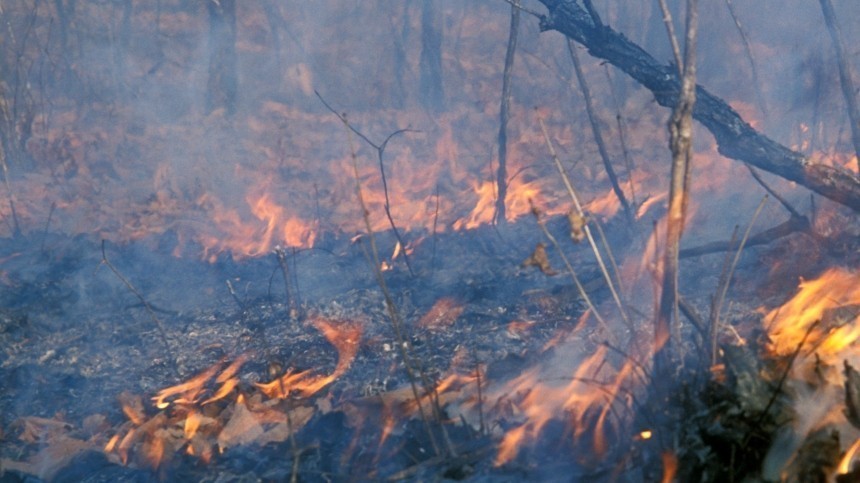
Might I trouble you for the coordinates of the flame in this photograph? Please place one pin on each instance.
(273, 227)
(541, 402)
(789, 324)
(670, 467)
(845, 464)
(344, 337)
(191, 391)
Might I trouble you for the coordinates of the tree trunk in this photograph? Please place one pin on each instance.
(432, 94)
(223, 84)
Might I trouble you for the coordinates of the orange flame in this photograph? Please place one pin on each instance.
(789, 323)
(344, 337)
(541, 402)
(191, 391)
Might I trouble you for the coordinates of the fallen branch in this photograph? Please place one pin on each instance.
(735, 138)
(793, 225)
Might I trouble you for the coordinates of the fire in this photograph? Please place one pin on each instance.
(821, 322)
(818, 300)
(273, 227)
(670, 467)
(194, 426)
(587, 400)
(845, 464)
(344, 337)
(191, 391)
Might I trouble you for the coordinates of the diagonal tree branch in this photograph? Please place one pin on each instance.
(735, 138)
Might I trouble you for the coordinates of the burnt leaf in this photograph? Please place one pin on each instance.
(539, 259)
(577, 226)
(852, 395)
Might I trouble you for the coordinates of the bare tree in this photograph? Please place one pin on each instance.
(223, 85)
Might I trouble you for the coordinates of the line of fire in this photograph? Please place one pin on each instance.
(429, 240)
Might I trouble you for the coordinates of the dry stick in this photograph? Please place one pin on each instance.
(712, 328)
(504, 115)
(281, 254)
(480, 395)
(403, 345)
(748, 50)
(715, 317)
(609, 255)
(844, 75)
(792, 225)
(516, 4)
(690, 312)
(621, 137)
(435, 225)
(595, 130)
(47, 225)
(782, 201)
(380, 152)
(673, 40)
(586, 229)
(571, 271)
(162, 333)
(681, 135)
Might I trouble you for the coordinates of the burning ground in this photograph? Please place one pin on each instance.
(280, 255)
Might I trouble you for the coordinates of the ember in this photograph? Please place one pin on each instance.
(429, 241)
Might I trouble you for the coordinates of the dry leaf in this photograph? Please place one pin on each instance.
(443, 314)
(539, 259)
(577, 226)
(132, 407)
(36, 430)
(280, 432)
(243, 428)
(46, 463)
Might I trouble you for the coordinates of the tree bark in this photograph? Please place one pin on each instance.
(735, 138)
(430, 64)
(223, 84)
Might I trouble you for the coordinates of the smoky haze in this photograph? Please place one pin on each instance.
(112, 122)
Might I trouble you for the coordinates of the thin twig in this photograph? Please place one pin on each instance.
(667, 327)
(571, 271)
(596, 131)
(673, 39)
(566, 179)
(292, 308)
(622, 138)
(844, 75)
(504, 115)
(782, 201)
(690, 313)
(403, 345)
(158, 325)
(748, 50)
(380, 153)
(715, 318)
(516, 4)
